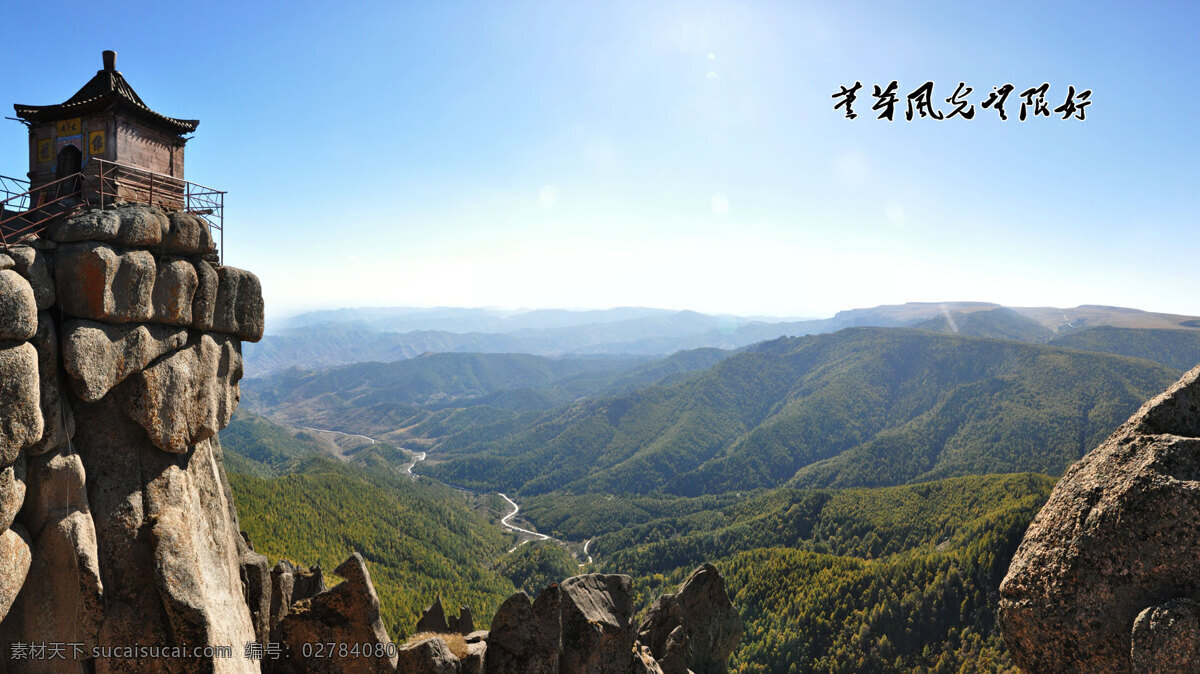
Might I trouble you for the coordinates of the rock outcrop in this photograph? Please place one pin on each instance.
(346, 615)
(120, 356)
(585, 624)
(695, 628)
(1106, 578)
(435, 620)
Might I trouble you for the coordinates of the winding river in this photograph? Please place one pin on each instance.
(505, 521)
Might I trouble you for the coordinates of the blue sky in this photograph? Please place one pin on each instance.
(678, 155)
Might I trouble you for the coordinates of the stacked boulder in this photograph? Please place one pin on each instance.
(1107, 578)
(120, 355)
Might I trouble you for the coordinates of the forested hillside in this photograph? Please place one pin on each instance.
(898, 578)
(860, 407)
(1175, 348)
(862, 490)
(420, 539)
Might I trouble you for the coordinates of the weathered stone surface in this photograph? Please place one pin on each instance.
(427, 655)
(239, 305)
(20, 401)
(673, 658)
(34, 265)
(127, 225)
(93, 225)
(204, 301)
(256, 584)
(6, 262)
(433, 619)
(696, 628)
(348, 614)
(188, 396)
(307, 583)
(12, 492)
(526, 638)
(644, 662)
(96, 281)
(57, 419)
(281, 596)
(475, 658)
(597, 632)
(1166, 638)
(174, 291)
(55, 488)
(187, 234)
(18, 307)
(14, 565)
(62, 600)
(98, 356)
(1117, 536)
(463, 623)
(167, 546)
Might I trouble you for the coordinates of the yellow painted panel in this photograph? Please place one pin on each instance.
(96, 143)
(45, 151)
(69, 127)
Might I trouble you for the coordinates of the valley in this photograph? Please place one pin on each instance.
(861, 489)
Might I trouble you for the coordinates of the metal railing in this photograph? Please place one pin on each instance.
(26, 213)
(120, 183)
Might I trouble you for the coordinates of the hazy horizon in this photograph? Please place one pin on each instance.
(666, 154)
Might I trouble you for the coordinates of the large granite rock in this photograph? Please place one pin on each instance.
(187, 234)
(525, 638)
(427, 655)
(98, 356)
(597, 628)
(1166, 638)
(62, 598)
(102, 283)
(433, 619)
(175, 285)
(167, 545)
(12, 492)
(204, 301)
(18, 307)
(464, 623)
(239, 306)
(187, 396)
(256, 584)
(348, 613)
(34, 265)
(696, 628)
(126, 225)
(57, 418)
(14, 565)
(1117, 536)
(55, 488)
(21, 422)
(127, 534)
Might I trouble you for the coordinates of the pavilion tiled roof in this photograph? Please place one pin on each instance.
(108, 88)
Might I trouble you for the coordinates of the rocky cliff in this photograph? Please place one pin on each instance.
(1107, 578)
(120, 355)
(120, 548)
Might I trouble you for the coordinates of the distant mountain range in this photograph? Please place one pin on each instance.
(328, 338)
(860, 407)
